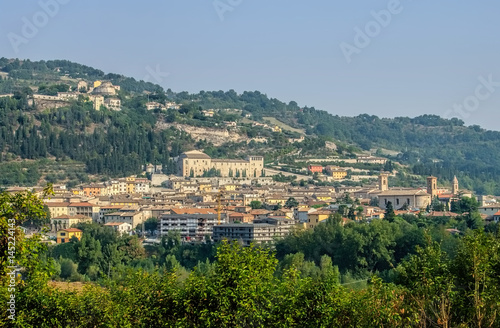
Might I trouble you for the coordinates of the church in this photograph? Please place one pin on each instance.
(413, 198)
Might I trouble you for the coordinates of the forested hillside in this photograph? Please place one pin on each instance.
(430, 144)
(103, 140)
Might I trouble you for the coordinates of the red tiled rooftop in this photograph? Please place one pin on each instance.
(193, 211)
(81, 204)
(57, 204)
(72, 230)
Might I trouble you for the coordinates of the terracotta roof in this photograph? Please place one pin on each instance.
(193, 211)
(321, 213)
(111, 207)
(81, 204)
(237, 215)
(78, 216)
(497, 213)
(412, 192)
(57, 204)
(71, 230)
(229, 161)
(436, 213)
(259, 212)
(446, 196)
(195, 154)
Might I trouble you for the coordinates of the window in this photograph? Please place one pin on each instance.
(397, 201)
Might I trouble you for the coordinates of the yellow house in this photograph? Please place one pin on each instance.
(277, 129)
(229, 187)
(339, 174)
(95, 190)
(97, 83)
(58, 208)
(206, 187)
(78, 192)
(66, 221)
(276, 199)
(314, 218)
(130, 187)
(65, 235)
(336, 172)
(323, 197)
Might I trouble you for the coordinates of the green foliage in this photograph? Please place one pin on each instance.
(284, 178)
(255, 204)
(52, 90)
(246, 287)
(291, 203)
(69, 270)
(16, 250)
(389, 212)
(432, 145)
(121, 142)
(151, 224)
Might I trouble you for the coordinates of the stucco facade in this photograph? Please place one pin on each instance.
(195, 164)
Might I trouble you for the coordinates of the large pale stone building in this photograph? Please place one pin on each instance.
(195, 164)
(413, 198)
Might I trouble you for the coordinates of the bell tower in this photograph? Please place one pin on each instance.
(454, 189)
(432, 186)
(383, 182)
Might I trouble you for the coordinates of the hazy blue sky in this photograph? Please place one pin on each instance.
(424, 57)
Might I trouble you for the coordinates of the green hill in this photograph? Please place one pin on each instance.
(118, 143)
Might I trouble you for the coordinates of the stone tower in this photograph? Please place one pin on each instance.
(454, 189)
(383, 182)
(432, 186)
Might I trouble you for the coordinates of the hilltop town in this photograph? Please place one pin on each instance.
(298, 164)
(238, 201)
(215, 165)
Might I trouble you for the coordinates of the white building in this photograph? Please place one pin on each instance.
(192, 223)
(120, 227)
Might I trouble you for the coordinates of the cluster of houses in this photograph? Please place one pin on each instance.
(249, 208)
(335, 172)
(151, 105)
(99, 93)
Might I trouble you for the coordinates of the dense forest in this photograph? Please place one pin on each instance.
(102, 140)
(108, 142)
(399, 272)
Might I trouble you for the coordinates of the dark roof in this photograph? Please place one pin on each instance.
(195, 154)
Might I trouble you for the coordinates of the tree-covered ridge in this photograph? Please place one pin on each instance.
(428, 144)
(431, 145)
(53, 70)
(108, 142)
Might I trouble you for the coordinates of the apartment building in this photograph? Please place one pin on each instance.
(85, 209)
(260, 232)
(192, 223)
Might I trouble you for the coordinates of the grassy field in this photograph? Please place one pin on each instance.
(67, 286)
(283, 126)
